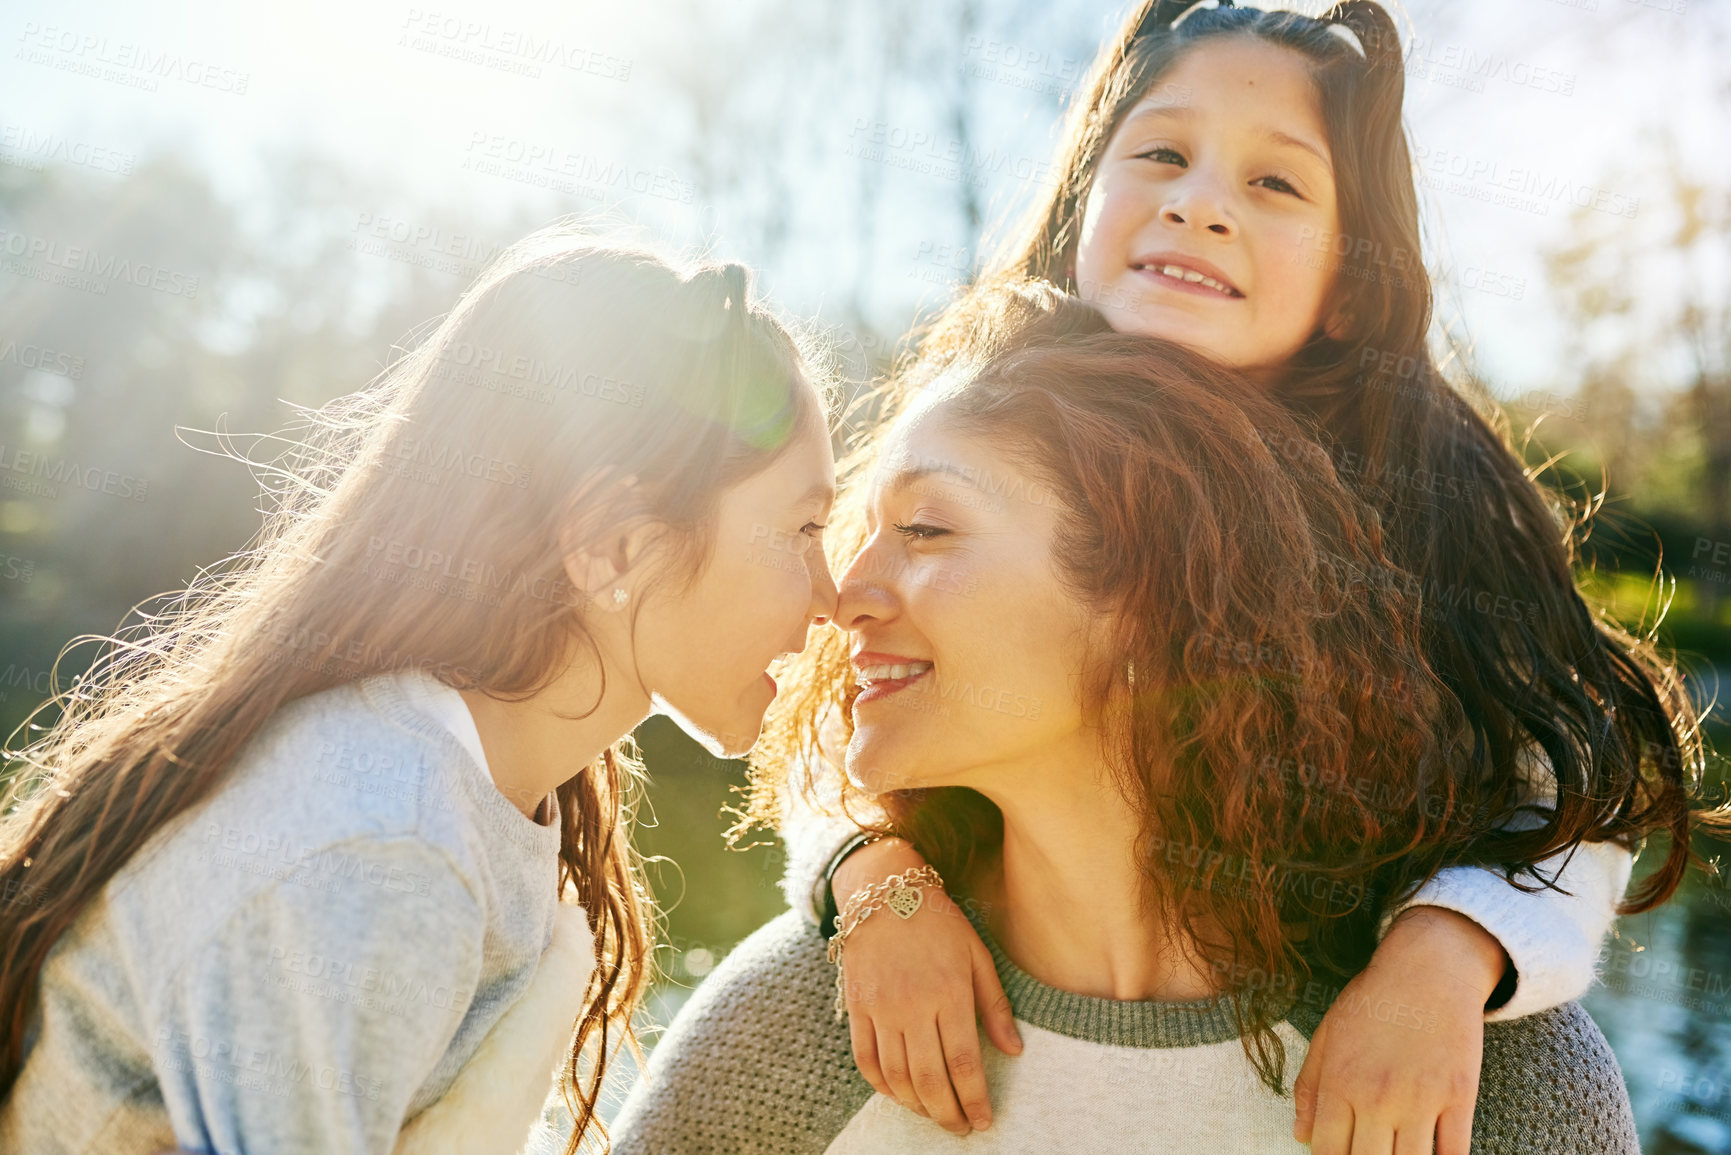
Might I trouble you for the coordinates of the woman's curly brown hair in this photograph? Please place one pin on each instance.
(1280, 735)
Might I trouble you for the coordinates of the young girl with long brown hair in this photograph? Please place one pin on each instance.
(295, 844)
(1238, 181)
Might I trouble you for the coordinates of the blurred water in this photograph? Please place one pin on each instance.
(1664, 1001)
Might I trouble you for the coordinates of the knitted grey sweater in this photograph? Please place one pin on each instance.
(755, 1062)
(305, 959)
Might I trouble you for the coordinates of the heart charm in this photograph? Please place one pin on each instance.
(905, 900)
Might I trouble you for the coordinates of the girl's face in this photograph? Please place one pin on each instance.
(704, 652)
(1221, 172)
(965, 644)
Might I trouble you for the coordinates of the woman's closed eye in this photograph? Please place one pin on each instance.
(918, 531)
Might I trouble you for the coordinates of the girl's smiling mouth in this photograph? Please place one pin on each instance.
(1187, 274)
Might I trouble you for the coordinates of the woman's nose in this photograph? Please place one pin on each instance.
(863, 595)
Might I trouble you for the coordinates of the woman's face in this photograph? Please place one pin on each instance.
(704, 652)
(1221, 172)
(966, 647)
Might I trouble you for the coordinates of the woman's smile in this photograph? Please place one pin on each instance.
(881, 675)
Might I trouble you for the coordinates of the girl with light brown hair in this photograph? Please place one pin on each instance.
(285, 856)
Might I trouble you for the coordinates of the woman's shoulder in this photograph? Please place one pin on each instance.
(755, 1060)
(1551, 1084)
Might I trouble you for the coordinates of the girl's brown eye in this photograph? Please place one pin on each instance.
(1163, 156)
(1273, 181)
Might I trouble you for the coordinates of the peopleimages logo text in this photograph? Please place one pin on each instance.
(108, 267)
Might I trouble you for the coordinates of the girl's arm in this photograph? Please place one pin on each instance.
(903, 979)
(913, 989)
(1401, 1047)
(1552, 938)
(1464, 935)
(311, 1019)
(810, 840)
(1439, 948)
(495, 1105)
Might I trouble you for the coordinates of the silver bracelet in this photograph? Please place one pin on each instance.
(901, 893)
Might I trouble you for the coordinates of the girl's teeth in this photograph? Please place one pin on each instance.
(1193, 277)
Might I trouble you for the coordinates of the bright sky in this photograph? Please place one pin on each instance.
(1528, 94)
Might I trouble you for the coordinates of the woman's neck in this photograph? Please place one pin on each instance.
(1068, 903)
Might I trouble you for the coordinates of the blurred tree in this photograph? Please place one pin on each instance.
(854, 129)
(1634, 342)
(165, 308)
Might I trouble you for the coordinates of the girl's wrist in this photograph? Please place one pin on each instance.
(873, 863)
(842, 876)
(1442, 939)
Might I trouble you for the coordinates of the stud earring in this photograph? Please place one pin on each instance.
(620, 597)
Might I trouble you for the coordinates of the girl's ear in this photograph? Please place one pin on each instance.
(594, 574)
(602, 565)
(609, 570)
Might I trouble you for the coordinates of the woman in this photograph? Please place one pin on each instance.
(1057, 543)
(291, 850)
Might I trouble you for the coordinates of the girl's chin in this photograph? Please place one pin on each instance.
(733, 738)
(1166, 321)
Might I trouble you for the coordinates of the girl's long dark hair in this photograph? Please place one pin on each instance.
(1503, 624)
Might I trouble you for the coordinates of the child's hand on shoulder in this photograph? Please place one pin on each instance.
(912, 988)
(1395, 1063)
